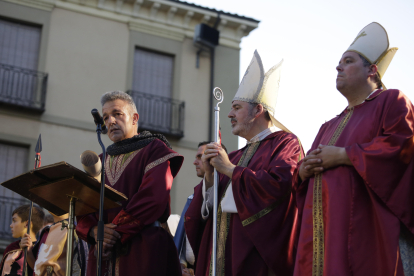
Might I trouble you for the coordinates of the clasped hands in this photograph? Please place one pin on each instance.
(110, 239)
(323, 158)
(216, 157)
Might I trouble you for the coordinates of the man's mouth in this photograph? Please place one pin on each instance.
(233, 122)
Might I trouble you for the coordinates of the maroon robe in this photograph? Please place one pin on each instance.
(264, 184)
(364, 205)
(146, 180)
(17, 267)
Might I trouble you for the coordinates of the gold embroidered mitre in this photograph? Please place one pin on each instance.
(372, 43)
(260, 88)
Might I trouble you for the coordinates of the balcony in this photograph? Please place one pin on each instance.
(159, 114)
(7, 205)
(23, 88)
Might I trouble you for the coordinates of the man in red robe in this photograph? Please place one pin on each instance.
(355, 188)
(141, 166)
(256, 209)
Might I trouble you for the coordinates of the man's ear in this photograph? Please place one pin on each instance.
(259, 110)
(373, 69)
(135, 118)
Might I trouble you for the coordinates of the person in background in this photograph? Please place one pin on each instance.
(185, 251)
(13, 256)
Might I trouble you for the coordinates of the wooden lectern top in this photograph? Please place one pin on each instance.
(52, 186)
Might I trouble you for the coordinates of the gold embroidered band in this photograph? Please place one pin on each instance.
(267, 210)
(223, 219)
(317, 208)
(115, 165)
(160, 161)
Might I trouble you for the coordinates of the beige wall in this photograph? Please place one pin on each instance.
(87, 55)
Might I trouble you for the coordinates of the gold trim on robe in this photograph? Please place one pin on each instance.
(115, 165)
(317, 208)
(223, 219)
(160, 161)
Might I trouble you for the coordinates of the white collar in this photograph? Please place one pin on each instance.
(263, 134)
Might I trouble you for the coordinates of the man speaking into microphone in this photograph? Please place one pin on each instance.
(142, 166)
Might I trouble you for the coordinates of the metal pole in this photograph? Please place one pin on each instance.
(218, 94)
(71, 228)
(38, 159)
(100, 235)
(24, 272)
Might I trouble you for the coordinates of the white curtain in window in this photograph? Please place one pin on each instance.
(153, 73)
(19, 44)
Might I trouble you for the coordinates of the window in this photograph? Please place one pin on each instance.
(19, 44)
(153, 73)
(20, 82)
(151, 90)
(13, 162)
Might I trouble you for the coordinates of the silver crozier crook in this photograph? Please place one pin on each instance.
(218, 94)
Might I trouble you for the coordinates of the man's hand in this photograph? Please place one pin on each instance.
(332, 156)
(187, 272)
(219, 159)
(110, 236)
(311, 165)
(26, 241)
(208, 169)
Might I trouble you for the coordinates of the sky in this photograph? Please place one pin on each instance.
(311, 36)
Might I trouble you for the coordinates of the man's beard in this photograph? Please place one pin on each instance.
(243, 128)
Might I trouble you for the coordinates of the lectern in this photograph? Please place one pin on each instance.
(61, 188)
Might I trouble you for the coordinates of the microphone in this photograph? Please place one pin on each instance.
(98, 120)
(91, 164)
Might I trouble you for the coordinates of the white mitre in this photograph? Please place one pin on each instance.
(372, 43)
(260, 88)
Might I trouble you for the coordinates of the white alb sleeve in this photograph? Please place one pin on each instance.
(228, 205)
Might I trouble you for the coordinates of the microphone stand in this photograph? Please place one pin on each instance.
(101, 226)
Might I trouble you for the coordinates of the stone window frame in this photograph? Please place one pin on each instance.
(30, 16)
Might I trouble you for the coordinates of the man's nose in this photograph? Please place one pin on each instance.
(195, 162)
(339, 68)
(111, 120)
(231, 114)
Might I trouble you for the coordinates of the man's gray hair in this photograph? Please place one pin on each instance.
(119, 95)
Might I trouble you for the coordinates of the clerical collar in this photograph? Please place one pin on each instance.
(263, 134)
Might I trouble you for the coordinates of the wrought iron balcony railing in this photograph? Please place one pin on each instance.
(22, 87)
(159, 114)
(7, 205)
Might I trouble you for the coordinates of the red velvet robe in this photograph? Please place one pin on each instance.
(146, 180)
(364, 204)
(265, 242)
